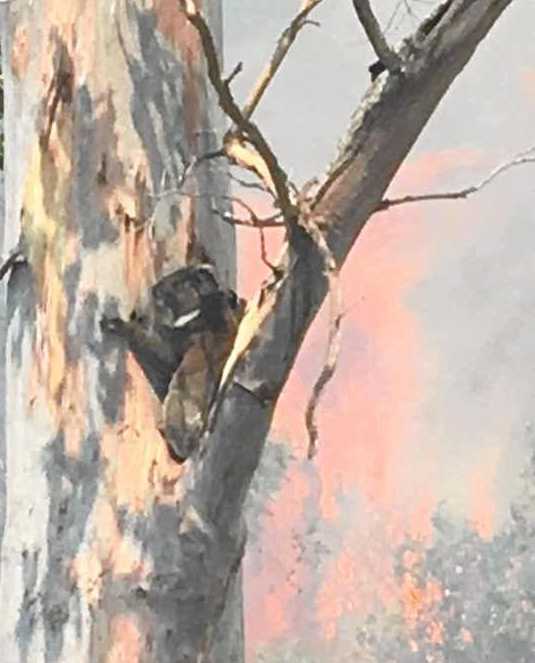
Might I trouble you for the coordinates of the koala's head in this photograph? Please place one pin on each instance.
(181, 290)
(190, 300)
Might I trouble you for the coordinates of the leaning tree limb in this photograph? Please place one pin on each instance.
(380, 136)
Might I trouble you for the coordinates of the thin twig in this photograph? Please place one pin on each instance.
(256, 221)
(274, 221)
(328, 370)
(261, 159)
(333, 347)
(527, 156)
(284, 44)
(253, 221)
(258, 186)
(263, 253)
(187, 168)
(305, 200)
(410, 12)
(393, 17)
(373, 31)
(237, 70)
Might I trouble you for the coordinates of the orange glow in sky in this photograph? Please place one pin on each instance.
(368, 425)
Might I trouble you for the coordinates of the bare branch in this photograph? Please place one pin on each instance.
(333, 346)
(237, 70)
(260, 160)
(250, 185)
(390, 24)
(252, 214)
(284, 44)
(188, 168)
(275, 269)
(253, 221)
(221, 86)
(386, 55)
(272, 330)
(527, 156)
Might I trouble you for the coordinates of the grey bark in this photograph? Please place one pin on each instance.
(2, 382)
(130, 109)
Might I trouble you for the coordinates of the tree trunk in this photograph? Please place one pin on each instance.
(106, 102)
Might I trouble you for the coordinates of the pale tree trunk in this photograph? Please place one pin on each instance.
(106, 100)
(112, 551)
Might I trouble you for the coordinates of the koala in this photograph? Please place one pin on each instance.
(181, 336)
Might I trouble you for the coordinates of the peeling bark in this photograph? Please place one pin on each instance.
(105, 103)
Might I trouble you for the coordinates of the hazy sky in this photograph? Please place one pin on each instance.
(435, 396)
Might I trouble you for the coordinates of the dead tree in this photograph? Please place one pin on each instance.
(114, 548)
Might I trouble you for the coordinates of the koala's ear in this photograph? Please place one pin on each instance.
(204, 279)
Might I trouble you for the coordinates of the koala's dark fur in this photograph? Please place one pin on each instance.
(181, 337)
